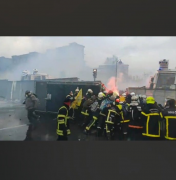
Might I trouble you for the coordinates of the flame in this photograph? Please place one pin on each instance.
(111, 86)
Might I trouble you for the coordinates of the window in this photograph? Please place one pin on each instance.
(165, 80)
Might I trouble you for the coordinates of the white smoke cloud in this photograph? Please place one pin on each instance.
(141, 53)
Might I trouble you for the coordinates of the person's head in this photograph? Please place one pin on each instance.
(150, 100)
(68, 100)
(27, 93)
(117, 101)
(124, 95)
(132, 94)
(110, 93)
(101, 96)
(89, 91)
(171, 103)
(134, 98)
(77, 90)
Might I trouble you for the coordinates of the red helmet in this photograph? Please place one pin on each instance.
(117, 100)
(110, 92)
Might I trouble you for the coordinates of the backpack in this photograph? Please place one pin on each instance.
(38, 101)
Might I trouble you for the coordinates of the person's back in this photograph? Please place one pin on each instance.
(169, 114)
(151, 118)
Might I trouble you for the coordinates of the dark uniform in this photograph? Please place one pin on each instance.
(95, 111)
(125, 121)
(151, 117)
(135, 127)
(105, 105)
(63, 128)
(113, 118)
(169, 115)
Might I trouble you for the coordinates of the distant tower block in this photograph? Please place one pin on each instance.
(164, 64)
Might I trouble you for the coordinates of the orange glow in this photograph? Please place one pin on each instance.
(111, 86)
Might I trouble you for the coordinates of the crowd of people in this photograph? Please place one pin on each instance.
(133, 117)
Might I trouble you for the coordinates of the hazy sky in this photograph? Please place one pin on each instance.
(141, 53)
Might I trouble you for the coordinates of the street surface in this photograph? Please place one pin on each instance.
(14, 125)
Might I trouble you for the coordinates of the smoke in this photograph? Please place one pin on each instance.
(49, 63)
(111, 85)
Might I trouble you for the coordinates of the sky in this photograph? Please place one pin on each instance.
(142, 54)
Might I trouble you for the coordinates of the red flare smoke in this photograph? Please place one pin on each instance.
(111, 85)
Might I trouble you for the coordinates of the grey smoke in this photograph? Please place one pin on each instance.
(141, 53)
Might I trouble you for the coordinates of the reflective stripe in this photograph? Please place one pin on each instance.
(150, 135)
(167, 127)
(61, 121)
(60, 133)
(68, 132)
(110, 122)
(88, 127)
(102, 114)
(107, 130)
(95, 118)
(148, 118)
(85, 113)
(135, 127)
(124, 121)
(119, 106)
(61, 116)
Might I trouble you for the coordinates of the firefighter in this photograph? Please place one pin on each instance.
(95, 111)
(169, 115)
(135, 127)
(86, 110)
(151, 117)
(77, 110)
(76, 92)
(63, 128)
(113, 118)
(105, 105)
(31, 103)
(125, 121)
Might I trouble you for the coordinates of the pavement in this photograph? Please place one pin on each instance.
(14, 125)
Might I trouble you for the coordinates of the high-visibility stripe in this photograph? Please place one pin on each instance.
(88, 127)
(167, 127)
(147, 124)
(61, 116)
(107, 130)
(124, 121)
(68, 132)
(102, 114)
(135, 127)
(62, 121)
(95, 118)
(109, 122)
(150, 135)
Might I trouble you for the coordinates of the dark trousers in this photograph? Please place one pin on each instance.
(32, 116)
(62, 138)
(135, 134)
(33, 121)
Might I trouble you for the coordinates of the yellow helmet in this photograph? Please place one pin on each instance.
(150, 100)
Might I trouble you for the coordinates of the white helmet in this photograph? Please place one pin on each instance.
(132, 94)
(144, 96)
(134, 98)
(100, 95)
(77, 89)
(124, 94)
(90, 91)
(112, 98)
